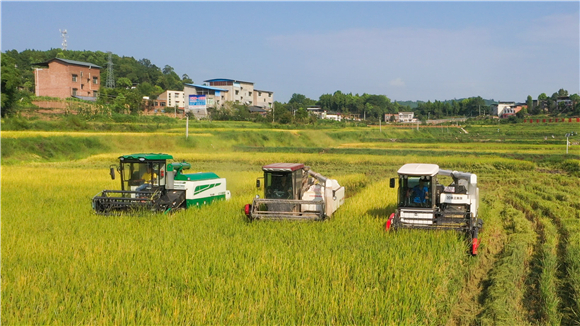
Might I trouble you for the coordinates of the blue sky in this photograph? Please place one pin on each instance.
(404, 50)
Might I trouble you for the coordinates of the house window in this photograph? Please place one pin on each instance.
(94, 93)
(259, 93)
(237, 92)
(95, 80)
(74, 92)
(74, 78)
(82, 86)
(162, 103)
(250, 93)
(269, 94)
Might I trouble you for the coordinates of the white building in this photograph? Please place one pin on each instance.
(214, 97)
(237, 91)
(497, 109)
(243, 92)
(173, 98)
(406, 117)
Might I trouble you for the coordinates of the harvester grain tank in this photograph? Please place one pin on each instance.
(149, 182)
(423, 203)
(294, 192)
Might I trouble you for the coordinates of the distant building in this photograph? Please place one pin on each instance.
(332, 116)
(242, 92)
(263, 99)
(237, 91)
(512, 111)
(567, 102)
(172, 99)
(498, 108)
(64, 78)
(258, 110)
(214, 96)
(406, 117)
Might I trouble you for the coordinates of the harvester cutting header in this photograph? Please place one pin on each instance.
(293, 191)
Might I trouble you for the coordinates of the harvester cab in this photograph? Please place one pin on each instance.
(424, 203)
(149, 182)
(293, 191)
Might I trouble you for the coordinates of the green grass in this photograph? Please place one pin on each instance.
(64, 265)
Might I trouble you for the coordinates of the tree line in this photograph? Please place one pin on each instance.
(135, 79)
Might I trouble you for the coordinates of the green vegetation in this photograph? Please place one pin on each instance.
(64, 265)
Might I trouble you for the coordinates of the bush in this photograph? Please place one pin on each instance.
(571, 166)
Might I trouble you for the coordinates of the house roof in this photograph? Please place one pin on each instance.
(259, 90)
(257, 109)
(225, 79)
(70, 62)
(207, 87)
(86, 98)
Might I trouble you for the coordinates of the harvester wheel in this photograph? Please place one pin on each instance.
(474, 242)
(389, 222)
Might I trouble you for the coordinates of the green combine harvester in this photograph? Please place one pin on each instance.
(149, 183)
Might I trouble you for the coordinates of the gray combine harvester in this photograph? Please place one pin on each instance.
(294, 192)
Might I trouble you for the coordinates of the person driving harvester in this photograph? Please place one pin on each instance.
(419, 193)
(147, 177)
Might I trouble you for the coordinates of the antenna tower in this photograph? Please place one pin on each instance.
(110, 77)
(64, 37)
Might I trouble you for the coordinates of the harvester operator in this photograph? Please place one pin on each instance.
(147, 177)
(420, 193)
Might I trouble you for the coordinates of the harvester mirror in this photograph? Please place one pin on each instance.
(112, 172)
(257, 183)
(392, 183)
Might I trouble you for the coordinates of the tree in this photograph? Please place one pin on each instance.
(10, 79)
(530, 103)
(167, 69)
(123, 82)
(186, 80)
(562, 92)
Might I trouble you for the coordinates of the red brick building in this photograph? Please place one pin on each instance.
(67, 78)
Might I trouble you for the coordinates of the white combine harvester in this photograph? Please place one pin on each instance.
(423, 203)
(293, 191)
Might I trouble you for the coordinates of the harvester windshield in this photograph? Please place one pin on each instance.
(142, 175)
(415, 191)
(278, 185)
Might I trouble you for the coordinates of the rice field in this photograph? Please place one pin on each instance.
(62, 264)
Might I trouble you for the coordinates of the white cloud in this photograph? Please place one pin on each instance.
(397, 82)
